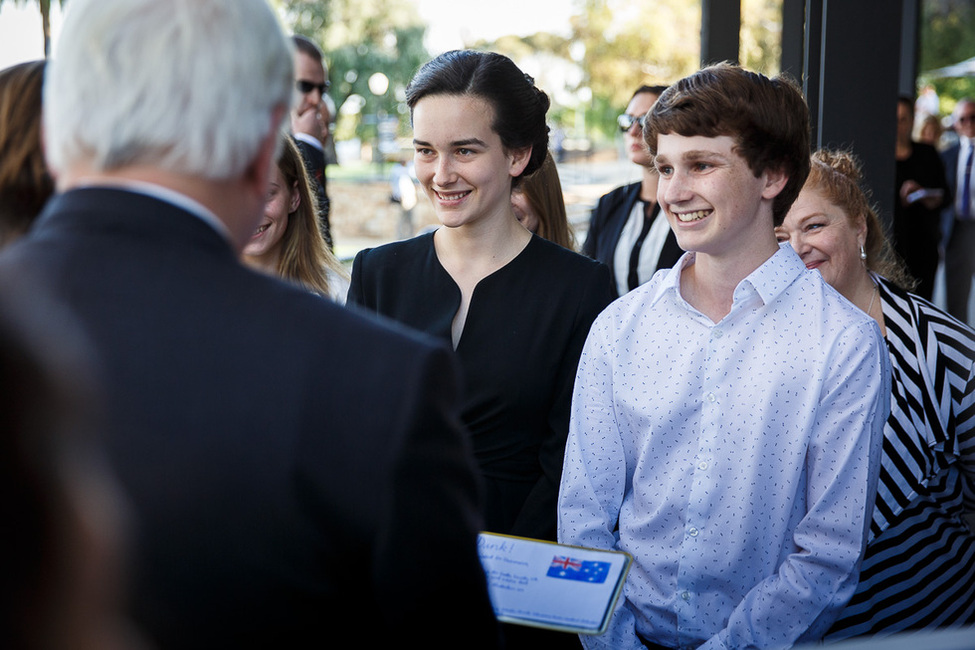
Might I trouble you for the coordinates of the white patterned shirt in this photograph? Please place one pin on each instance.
(737, 462)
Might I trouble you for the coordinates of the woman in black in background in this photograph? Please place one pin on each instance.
(917, 213)
(516, 308)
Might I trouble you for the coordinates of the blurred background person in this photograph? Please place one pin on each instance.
(927, 102)
(327, 122)
(288, 242)
(921, 193)
(539, 205)
(25, 184)
(402, 191)
(919, 567)
(310, 120)
(928, 130)
(960, 216)
(63, 548)
(624, 232)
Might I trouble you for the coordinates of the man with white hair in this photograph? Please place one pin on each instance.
(297, 473)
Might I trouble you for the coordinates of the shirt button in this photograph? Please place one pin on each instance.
(685, 596)
(718, 334)
(702, 465)
(711, 398)
(693, 532)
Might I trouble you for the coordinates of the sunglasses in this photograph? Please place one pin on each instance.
(306, 87)
(626, 122)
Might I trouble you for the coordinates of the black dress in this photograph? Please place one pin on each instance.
(525, 328)
(917, 228)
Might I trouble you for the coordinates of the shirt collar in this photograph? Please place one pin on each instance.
(776, 274)
(310, 139)
(671, 279)
(767, 281)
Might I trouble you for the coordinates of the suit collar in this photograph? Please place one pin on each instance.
(167, 195)
(122, 212)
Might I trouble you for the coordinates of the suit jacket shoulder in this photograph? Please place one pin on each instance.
(950, 159)
(404, 281)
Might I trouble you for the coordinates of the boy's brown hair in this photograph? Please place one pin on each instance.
(768, 119)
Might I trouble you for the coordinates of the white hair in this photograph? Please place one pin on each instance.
(187, 86)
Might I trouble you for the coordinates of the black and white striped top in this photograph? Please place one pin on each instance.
(919, 568)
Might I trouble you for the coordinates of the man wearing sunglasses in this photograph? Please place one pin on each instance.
(960, 251)
(309, 129)
(624, 232)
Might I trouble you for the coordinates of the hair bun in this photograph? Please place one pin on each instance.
(841, 162)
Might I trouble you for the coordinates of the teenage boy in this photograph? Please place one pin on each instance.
(727, 415)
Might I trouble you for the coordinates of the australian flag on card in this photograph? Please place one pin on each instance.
(569, 568)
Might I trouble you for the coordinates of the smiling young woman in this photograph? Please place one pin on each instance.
(288, 242)
(515, 307)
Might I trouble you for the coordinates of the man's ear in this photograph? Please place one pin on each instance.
(775, 181)
(518, 160)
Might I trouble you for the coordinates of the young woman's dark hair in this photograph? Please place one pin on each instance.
(519, 107)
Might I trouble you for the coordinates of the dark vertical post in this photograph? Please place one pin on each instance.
(852, 84)
(813, 64)
(720, 27)
(793, 38)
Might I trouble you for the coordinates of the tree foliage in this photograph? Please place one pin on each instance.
(761, 35)
(947, 37)
(619, 45)
(361, 38)
(628, 44)
(614, 46)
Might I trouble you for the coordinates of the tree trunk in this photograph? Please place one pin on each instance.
(45, 6)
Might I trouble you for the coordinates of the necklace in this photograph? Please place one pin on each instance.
(873, 295)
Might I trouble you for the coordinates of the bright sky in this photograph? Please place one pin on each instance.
(21, 38)
(450, 23)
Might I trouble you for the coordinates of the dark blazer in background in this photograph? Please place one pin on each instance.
(959, 244)
(606, 225)
(314, 159)
(297, 473)
(950, 159)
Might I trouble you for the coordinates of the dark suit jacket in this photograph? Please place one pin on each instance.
(297, 472)
(950, 159)
(606, 225)
(314, 159)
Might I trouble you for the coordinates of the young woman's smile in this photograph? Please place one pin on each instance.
(460, 161)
